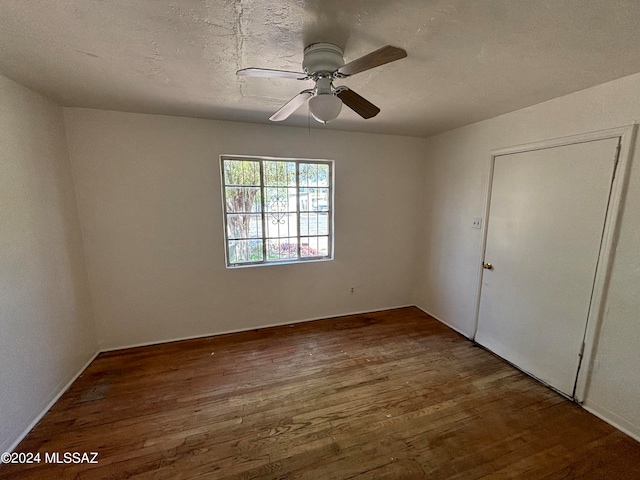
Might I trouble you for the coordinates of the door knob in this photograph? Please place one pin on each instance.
(488, 266)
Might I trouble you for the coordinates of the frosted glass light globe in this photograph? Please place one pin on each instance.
(325, 107)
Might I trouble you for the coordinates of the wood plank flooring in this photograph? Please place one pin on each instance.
(388, 395)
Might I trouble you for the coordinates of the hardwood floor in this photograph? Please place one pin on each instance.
(388, 395)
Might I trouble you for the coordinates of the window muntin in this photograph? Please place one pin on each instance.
(277, 210)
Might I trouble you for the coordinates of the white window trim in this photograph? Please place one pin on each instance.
(288, 261)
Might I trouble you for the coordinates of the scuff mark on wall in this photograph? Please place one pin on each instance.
(88, 53)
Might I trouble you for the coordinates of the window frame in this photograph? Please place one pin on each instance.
(264, 213)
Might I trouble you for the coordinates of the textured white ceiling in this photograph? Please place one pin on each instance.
(468, 59)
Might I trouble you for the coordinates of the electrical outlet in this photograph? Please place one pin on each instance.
(352, 291)
(477, 222)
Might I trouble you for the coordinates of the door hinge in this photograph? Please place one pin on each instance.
(581, 353)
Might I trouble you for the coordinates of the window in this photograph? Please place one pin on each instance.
(277, 210)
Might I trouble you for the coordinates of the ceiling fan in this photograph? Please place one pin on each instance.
(323, 63)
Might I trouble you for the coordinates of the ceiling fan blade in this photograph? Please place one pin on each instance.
(265, 72)
(291, 106)
(374, 59)
(358, 104)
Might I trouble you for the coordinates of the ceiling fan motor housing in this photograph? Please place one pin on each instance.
(322, 58)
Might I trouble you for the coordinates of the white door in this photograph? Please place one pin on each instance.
(546, 217)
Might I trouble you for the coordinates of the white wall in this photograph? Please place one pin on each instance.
(149, 202)
(148, 190)
(455, 185)
(46, 326)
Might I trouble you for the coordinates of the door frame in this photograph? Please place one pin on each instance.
(626, 137)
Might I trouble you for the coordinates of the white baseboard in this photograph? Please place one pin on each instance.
(62, 390)
(612, 419)
(621, 424)
(248, 329)
(48, 406)
(604, 414)
(452, 327)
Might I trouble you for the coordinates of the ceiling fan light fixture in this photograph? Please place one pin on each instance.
(323, 63)
(325, 107)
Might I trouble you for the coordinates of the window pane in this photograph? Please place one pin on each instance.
(314, 246)
(308, 247)
(281, 174)
(281, 225)
(304, 174)
(311, 171)
(292, 199)
(241, 172)
(271, 173)
(304, 224)
(321, 201)
(244, 251)
(243, 199)
(305, 199)
(323, 224)
(323, 175)
(314, 224)
(314, 199)
(244, 226)
(276, 210)
(323, 245)
(276, 199)
(282, 249)
(291, 174)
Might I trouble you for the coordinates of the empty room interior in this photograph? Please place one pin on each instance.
(319, 239)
